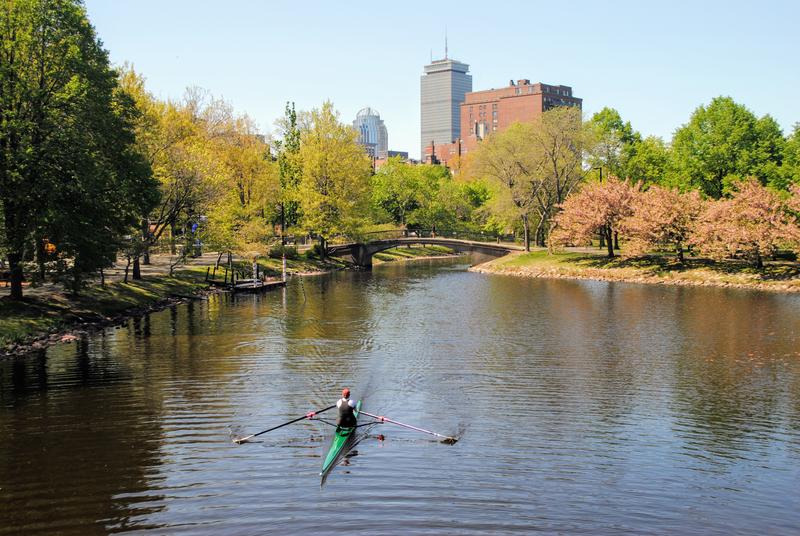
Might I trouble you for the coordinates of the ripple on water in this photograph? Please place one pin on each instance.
(581, 407)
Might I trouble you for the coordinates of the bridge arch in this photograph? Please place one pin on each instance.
(361, 253)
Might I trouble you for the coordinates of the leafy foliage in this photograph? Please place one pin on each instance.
(660, 217)
(723, 143)
(753, 222)
(597, 207)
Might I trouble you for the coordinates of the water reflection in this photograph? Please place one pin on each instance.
(584, 406)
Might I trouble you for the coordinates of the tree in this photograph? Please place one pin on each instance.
(247, 188)
(289, 168)
(559, 140)
(721, 144)
(597, 207)
(68, 169)
(791, 157)
(334, 187)
(647, 161)
(609, 142)
(753, 222)
(177, 139)
(396, 189)
(508, 159)
(661, 217)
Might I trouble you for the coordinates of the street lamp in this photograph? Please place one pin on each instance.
(601, 172)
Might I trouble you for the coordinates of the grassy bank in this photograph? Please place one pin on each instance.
(781, 276)
(41, 314)
(415, 252)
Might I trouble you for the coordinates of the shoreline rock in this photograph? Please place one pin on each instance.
(534, 273)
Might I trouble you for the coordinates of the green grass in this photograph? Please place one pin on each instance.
(36, 316)
(406, 253)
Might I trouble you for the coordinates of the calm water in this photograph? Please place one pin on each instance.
(582, 407)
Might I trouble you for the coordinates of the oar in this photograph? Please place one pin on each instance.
(445, 439)
(309, 415)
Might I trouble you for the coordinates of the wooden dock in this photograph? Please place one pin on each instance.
(256, 285)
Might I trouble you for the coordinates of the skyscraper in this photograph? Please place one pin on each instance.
(442, 90)
(372, 132)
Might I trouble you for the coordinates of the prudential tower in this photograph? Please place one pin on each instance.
(442, 90)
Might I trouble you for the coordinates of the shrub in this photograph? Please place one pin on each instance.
(279, 250)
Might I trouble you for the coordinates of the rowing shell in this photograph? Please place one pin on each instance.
(340, 440)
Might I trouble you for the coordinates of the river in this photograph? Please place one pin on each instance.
(582, 408)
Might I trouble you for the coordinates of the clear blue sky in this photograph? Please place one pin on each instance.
(654, 62)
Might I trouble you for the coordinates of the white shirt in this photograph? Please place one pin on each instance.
(345, 401)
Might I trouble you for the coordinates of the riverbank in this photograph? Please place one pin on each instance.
(776, 276)
(41, 320)
(49, 315)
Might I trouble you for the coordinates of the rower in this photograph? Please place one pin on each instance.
(346, 407)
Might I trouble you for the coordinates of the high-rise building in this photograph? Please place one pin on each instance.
(372, 132)
(442, 90)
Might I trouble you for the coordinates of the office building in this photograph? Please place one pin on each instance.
(442, 90)
(372, 133)
(494, 110)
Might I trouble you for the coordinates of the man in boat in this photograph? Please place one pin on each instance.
(345, 407)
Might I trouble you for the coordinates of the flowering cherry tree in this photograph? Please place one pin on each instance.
(753, 223)
(661, 217)
(598, 207)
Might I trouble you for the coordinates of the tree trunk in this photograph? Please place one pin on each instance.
(539, 233)
(526, 230)
(127, 267)
(609, 241)
(40, 258)
(146, 249)
(759, 260)
(137, 271)
(172, 249)
(102, 278)
(14, 260)
(602, 238)
(616, 240)
(679, 250)
(322, 249)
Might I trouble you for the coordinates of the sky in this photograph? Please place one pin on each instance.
(655, 62)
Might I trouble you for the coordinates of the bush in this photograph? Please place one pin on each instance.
(278, 251)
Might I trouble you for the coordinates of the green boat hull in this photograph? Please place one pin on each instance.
(340, 439)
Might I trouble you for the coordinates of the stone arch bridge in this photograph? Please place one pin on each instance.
(361, 253)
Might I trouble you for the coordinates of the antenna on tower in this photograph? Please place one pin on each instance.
(445, 42)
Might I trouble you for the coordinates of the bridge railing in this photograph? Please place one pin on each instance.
(456, 234)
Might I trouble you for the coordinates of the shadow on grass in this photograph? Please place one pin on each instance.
(772, 271)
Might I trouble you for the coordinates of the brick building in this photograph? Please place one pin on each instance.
(493, 110)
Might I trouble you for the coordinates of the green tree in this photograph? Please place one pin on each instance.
(67, 165)
(289, 167)
(610, 142)
(509, 160)
(721, 144)
(791, 157)
(396, 189)
(334, 188)
(647, 161)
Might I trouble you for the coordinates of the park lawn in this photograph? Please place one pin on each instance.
(38, 315)
(406, 253)
(660, 269)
